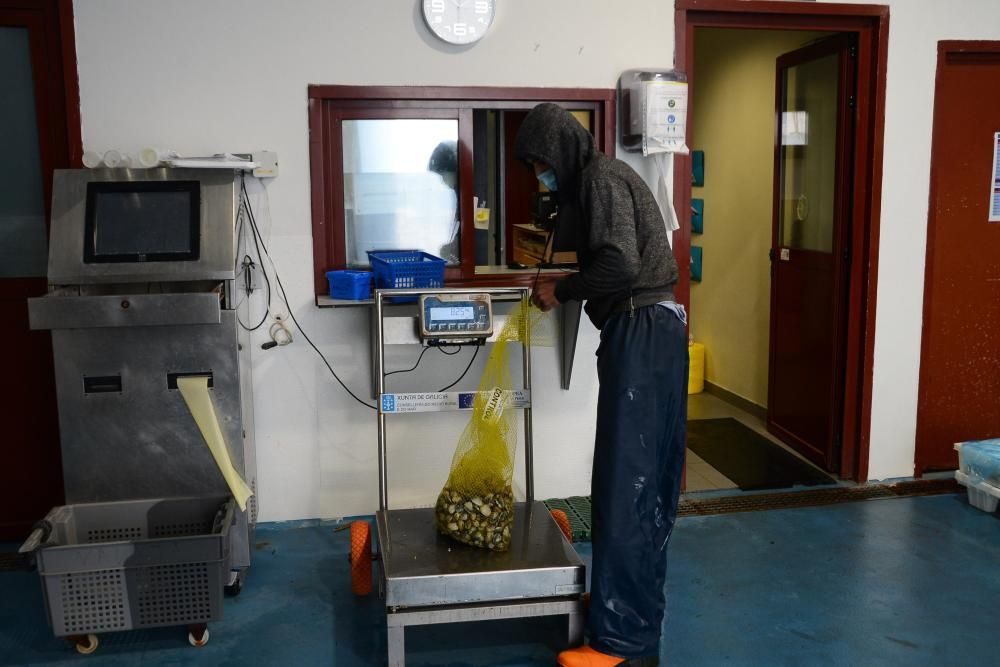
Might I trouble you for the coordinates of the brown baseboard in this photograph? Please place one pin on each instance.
(737, 401)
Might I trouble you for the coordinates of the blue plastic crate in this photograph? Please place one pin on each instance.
(353, 285)
(406, 269)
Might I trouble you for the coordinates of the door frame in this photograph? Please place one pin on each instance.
(871, 25)
(921, 457)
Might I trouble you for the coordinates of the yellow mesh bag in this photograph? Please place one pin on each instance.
(476, 505)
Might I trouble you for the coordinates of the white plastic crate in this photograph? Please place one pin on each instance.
(982, 495)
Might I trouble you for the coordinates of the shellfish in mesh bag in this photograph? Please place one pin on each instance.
(476, 505)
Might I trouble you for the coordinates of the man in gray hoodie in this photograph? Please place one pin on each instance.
(626, 276)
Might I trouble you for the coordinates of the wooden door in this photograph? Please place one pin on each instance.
(809, 267)
(37, 136)
(959, 395)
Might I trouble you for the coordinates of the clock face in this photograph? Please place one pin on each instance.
(459, 21)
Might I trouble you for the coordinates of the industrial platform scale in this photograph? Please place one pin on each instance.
(427, 578)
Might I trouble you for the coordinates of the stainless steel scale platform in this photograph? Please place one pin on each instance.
(427, 578)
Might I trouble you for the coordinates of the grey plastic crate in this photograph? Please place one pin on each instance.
(124, 565)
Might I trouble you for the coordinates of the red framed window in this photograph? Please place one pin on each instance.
(410, 167)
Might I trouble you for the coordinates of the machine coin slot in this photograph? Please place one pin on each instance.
(102, 384)
(172, 378)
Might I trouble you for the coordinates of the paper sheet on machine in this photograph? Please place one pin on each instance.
(195, 392)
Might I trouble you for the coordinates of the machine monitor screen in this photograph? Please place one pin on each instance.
(150, 221)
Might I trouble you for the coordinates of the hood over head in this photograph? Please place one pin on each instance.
(551, 134)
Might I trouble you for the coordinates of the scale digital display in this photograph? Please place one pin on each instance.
(454, 317)
(449, 313)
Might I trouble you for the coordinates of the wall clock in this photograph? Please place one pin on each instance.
(459, 21)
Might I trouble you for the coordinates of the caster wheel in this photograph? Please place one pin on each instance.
(197, 639)
(234, 589)
(85, 644)
(361, 558)
(563, 522)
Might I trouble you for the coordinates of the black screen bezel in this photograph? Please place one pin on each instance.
(193, 188)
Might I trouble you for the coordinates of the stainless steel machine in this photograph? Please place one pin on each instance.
(143, 291)
(427, 578)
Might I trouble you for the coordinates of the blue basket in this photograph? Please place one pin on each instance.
(406, 269)
(353, 285)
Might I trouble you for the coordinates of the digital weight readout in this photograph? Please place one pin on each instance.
(452, 313)
(462, 316)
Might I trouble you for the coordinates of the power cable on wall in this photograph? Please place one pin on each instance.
(260, 245)
(280, 335)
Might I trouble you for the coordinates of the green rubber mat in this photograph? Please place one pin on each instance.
(577, 509)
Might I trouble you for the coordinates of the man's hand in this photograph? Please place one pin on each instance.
(544, 296)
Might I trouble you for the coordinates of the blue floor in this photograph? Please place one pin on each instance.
(911, 581)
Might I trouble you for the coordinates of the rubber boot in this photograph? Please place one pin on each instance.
(588, 657)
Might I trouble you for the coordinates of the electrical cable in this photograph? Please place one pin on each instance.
(239, 232)
(411, 369)
(547, 253)
(474, 355)
(248, 263)
(458, 348)
(291, 315)
(257, 243)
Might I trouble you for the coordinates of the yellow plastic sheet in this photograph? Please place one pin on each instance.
(195, 392)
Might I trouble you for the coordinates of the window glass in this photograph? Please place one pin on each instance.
(23, 242)
(809, 154)
(401, 187)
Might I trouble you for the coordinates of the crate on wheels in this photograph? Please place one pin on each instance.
(109, 567)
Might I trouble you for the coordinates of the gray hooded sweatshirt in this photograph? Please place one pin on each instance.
(609, 214)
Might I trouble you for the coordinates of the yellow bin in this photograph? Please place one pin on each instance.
(696, 368)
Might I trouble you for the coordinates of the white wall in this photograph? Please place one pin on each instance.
(232, 74)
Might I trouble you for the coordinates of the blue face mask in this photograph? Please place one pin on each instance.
(548, 179)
